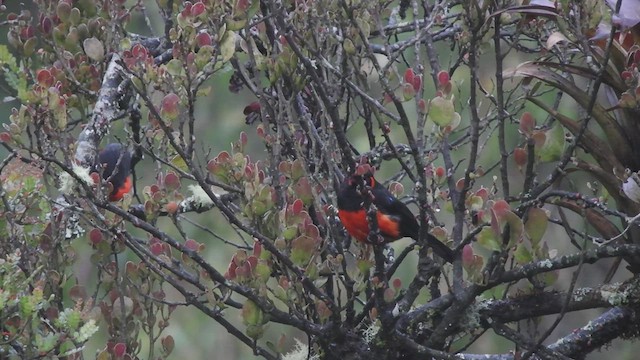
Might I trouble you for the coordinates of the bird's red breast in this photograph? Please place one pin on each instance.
(357, 225)
(118, 193)
(115, 161)
(394, 218)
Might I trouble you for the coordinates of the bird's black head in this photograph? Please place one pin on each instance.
(112, 155)
(350, 196)
(356, 180)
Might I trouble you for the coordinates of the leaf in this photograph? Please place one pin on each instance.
(553, 146)
(527, 124)
(252, 314)
(610, 78)
(18, 82)
(488, 239)
(596, 147)
(6, 58)
(520, 157)
(302, 248)
(599, 222)
(602, 225)
(94, 49)
(175, 68)
(179, 163)
(556, 38)
(516, 228)
(611, 128)
(441, 111)
(228, 46)
(536, 225)
(167, 344)
(522, 255)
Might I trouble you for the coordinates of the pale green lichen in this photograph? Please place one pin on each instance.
(68, 182)
(199, 197)
(546, 264)
(613, 295)
(300, 351)
(369, 334)
(471, 319)
(579, 294)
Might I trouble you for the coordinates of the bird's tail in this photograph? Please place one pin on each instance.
(440, 249)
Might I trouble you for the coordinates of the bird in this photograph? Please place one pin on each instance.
(394, 218)
(112, 156)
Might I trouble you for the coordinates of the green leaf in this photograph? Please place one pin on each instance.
(179, 163)
(252, 314)
(536, 225)
(18, 82)
(93, 48)
(441, 111)
(554, 144)
(46, 343)
(488, 239)
(175, 68)
(516, 228)
(582, 96)
(302, 249)
(6, 58)
(522, 254)
(228, 46)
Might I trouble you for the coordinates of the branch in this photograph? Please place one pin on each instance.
(105, 110)
(548, 303)
(597, 333)
(563, 262)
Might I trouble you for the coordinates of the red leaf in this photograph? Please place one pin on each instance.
(443, 78)
(409, 75)
(254, 107)
(467, 255)
(44, 78)
(257, 248)
(119, 349)
(95, 236)
(298, 206)
(197, 9)
(191, 245)
(231, 271)
(156, 249)
(417, 83)
(203, 39)
(501, 207)
(397, 283)
(527, 123)
(171, 181)
(520, 156)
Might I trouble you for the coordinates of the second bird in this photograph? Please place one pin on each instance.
(394, 218)
(111, 156)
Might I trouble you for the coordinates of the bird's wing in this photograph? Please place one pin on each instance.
(391, 206)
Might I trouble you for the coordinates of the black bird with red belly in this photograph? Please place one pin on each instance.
(394, 218)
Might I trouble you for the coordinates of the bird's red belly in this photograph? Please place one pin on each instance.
(120, 192)
(357, 225)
